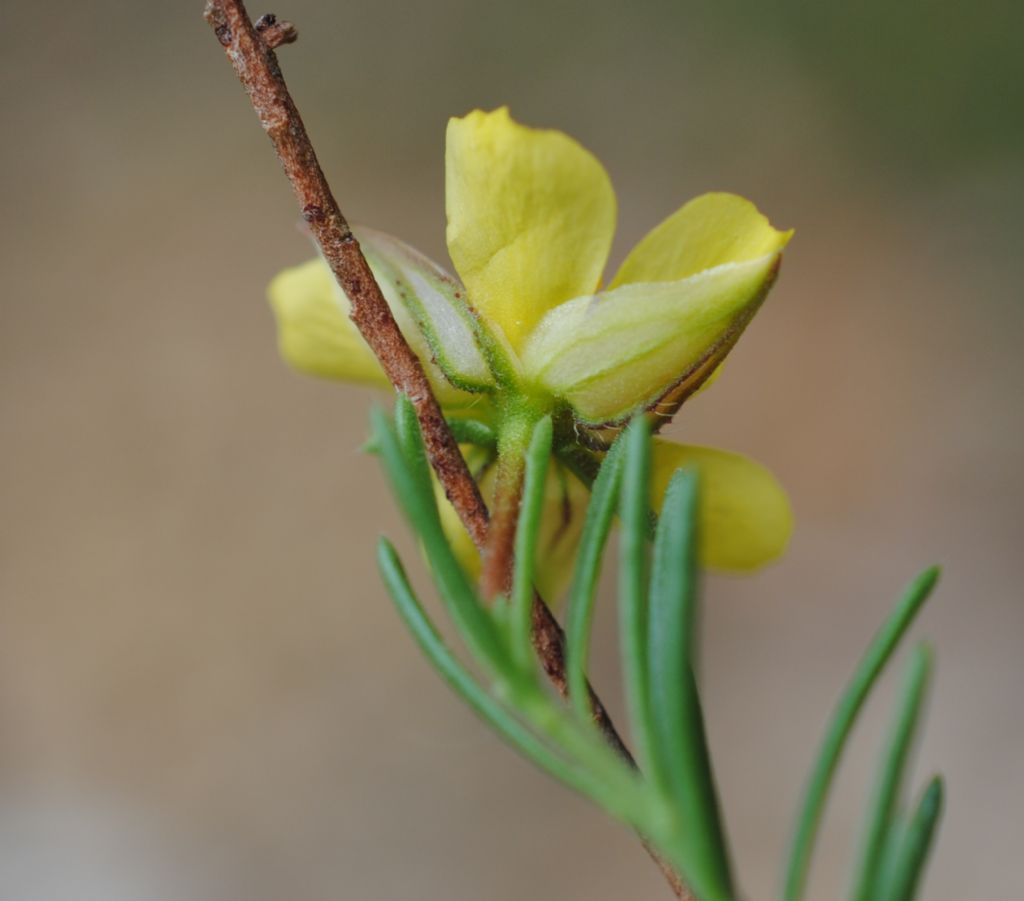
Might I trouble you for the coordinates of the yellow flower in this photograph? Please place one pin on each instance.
(531, 216)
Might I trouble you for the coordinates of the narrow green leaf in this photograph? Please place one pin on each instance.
(672, 616)
(680, 752)
(843, 718)
(890, 853)
(885, 800)
(912, 854)
(405, 463)
(407, 428)
(580, 614)
(634, 508)
(527, 532)
(464, 685)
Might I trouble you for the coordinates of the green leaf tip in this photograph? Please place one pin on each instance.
(879, 652)
(884, 804)
(912, 852)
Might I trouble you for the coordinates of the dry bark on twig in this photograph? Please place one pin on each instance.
(250, 47)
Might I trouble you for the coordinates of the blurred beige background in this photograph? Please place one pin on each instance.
(204, 693)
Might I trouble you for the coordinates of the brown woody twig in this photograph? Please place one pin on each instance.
(250, 48)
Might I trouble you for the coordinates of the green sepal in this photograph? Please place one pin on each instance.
(437, 304)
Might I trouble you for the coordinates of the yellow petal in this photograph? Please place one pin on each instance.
(565, 504)
(610, 354)
(745, 517)
(463, 546)
(708, 231)
(531, 216)
(315, 334)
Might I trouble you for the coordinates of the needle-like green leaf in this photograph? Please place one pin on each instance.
(890, 853)
(527, 530)
(463, 683)
(680, 752)
(912, 853)
(885, 800)
(579, 617)
(634, 508)
(843, 718)
(406, 466)
(410, 439)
